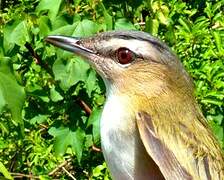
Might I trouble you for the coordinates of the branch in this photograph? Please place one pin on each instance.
(59, 167)
(84, 106)
(20, 175)
(33, 53)
(94, 148)
(68, 173)
(140, 24)
(38, 60)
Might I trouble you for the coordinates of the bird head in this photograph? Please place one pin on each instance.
(131, 62)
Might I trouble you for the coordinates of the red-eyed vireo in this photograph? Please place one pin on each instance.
(151, 126)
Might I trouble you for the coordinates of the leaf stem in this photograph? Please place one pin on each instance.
(38, 60)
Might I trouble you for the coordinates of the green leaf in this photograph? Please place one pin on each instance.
(44, 25)
(85, 28)
(94, 120)
(97, 171)
(20, 34)
(5, 128)
(51, 6)
(78, 142)
(39, 119)
(64, 137)
(162, 18)
(218, 130)
(5, 172)
(91, 82)
(45, 177)
(185, 24)
(8, 28)
(212, 101)
(15, 32)
(108, 18)
(123, 23)
(101, 172)
(38, 92)
(218, 41)
(152, 25)
(218, 118)
(2, 100)
(65, 30)
(2, 53)
(55, 95)
(12, 93)
(70, 72)
(3, 143)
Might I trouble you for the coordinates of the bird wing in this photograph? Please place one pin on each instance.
(175, 159)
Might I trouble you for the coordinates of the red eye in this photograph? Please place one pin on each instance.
(124, 56)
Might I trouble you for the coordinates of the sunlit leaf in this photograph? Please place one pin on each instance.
(94, 120)
(185, 23)
(218, 41)
(124, 24)
(85, 28)
(70, 72)
(55, 95)
(16, 32)
(91, 82)
(12, 93)
(64, 138)
(152, 25)
(5, 172)
(51, 6)
(39, 119)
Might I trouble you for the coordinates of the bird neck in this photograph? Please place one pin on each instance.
(167, 105)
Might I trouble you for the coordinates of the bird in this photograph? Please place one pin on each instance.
(151, 126)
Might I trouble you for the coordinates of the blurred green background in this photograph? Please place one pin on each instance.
(51, 101)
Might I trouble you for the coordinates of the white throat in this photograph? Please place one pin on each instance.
(118, 148)
(121, 144)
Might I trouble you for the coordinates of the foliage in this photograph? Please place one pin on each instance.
(50, 101)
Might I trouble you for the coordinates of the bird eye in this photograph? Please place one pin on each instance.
(125, 56)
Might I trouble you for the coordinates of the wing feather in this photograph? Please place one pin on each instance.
(187, 161)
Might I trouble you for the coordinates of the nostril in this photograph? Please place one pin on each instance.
(78, 42)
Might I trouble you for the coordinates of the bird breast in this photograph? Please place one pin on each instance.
(117, 142)
(123, 150)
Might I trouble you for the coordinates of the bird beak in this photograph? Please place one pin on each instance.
(82, 47)
(71, 44)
